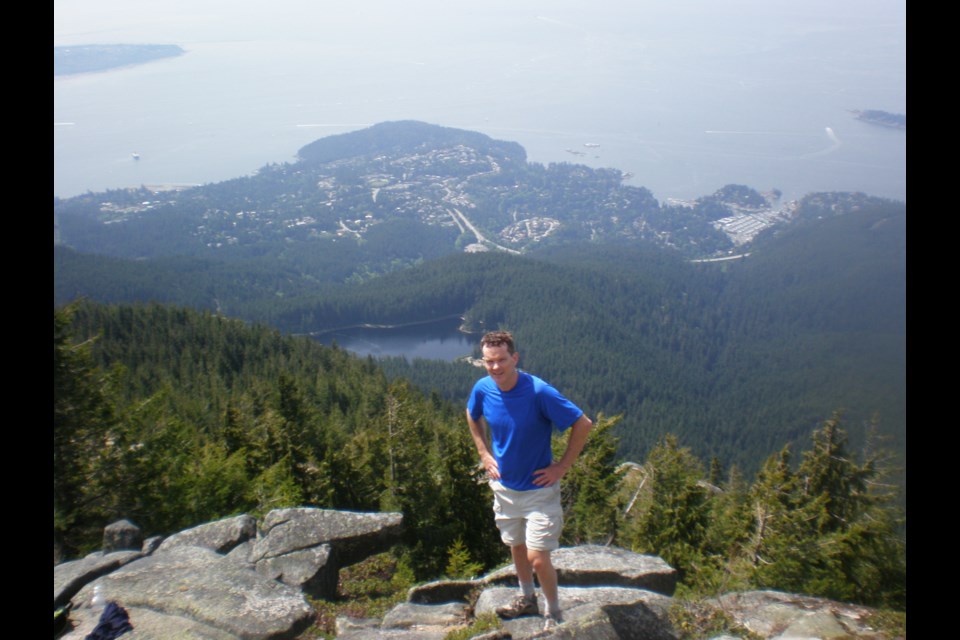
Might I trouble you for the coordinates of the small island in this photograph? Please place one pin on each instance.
(101, 57)
(882, 118)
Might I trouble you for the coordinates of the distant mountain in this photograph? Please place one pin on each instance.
(101, 57)
(883, 118)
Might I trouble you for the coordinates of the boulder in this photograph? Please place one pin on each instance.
(773, 614)
(122, 535)
(319, 542)
(221, 535)
(443, 591)
(70, 577)
(590, 565)
(148, 625)
(198, 584)
(309, 569)
(408, 615)
(591, 612)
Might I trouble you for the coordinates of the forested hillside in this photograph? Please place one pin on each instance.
(171, 417)
(736, 358)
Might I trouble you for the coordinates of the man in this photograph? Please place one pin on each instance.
(521, 411)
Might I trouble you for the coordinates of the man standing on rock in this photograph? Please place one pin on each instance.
(521, 411)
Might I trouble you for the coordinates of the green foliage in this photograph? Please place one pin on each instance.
(693, 620)
(84, 424)
(589, 488)
(673, 513)
(368, 589)
(826, 529)
(483, 623)
(459, 565)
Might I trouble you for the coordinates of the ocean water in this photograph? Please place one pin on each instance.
(686, 97)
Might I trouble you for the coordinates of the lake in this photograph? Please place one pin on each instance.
(440, 340)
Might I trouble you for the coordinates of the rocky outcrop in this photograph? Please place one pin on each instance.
(198, 584)
(223, 580)
(226, 580)
(594, 565)
(606, 593)
(777, 615)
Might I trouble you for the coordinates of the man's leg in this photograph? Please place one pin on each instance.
(526, 602)
(547, 575)
(523, 564)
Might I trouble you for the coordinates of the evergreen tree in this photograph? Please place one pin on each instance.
(84, 417)
(673, 517)
(590, 487)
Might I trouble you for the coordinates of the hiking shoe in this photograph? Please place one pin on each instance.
(552, 621)
(521, 606)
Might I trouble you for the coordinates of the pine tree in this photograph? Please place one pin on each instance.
(84, 416)
(673, 516)
(590, 487)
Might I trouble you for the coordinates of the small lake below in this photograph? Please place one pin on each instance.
(440, 340)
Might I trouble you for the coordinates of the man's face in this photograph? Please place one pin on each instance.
(501, 365)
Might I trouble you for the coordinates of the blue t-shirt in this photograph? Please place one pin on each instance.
(521, 421)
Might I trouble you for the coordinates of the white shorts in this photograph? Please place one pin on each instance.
(534, 518)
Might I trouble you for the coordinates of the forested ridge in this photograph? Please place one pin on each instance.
(171, 417)
(735, 358)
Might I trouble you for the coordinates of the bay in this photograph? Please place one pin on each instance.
(686, 97)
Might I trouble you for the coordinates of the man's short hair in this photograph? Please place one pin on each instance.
(498, 338)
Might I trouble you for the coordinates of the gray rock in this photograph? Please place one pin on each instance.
(151, 544)
(240, 554)
(199, 584)
(320, 542)
(348, 624)
(773, 614)
(626, 621)
(148, 625)
(310, 569)
(590, 565)
(408, 615)
(122, 535)
(590, 612)
(822, 625)
(443, 591)
(354, 535)
(70, 577)
(221, 535)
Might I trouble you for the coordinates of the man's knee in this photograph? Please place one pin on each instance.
(539, 559)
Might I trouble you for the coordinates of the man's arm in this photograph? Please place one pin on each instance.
(486, 458)
(575, 443)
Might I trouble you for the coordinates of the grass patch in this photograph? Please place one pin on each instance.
(891, 623)
(368, 589)
(694, 620)
(481, 624)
